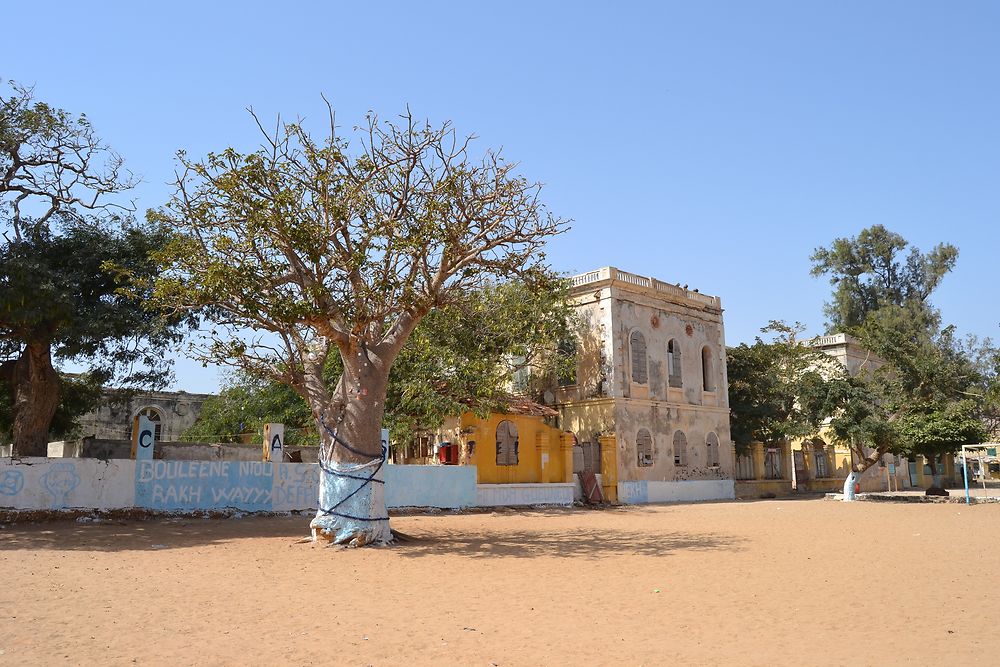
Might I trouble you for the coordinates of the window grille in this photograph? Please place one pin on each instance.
(712, 450)
(644, 448)
(772, 463)
(744, 467)
(637, 350)
(819, 457)
(674, 364)
(680, 449)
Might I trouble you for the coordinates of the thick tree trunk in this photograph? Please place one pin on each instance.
(35, 384)
(937, 485)
(352, 507)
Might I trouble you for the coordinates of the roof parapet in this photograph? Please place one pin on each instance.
(611, 275)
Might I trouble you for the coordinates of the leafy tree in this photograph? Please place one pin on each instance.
(245, 405)
(870, 272)
(76, 295)
(73, 274)
(766, 380)
(935, 430)
(309, 248)
(459, 358)
(919, 401)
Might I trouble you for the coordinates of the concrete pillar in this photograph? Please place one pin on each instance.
(609, 467)
(274, 443)
(143, 438)
(566, 442)
(757, 453)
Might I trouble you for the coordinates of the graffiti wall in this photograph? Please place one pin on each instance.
(41, 484)
(252, 486)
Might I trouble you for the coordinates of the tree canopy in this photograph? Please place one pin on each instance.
(75, 273)
(927, 395)
(873, 270)
(766, 381)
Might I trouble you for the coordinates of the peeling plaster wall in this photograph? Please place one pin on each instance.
(662, 421)
(613, 305)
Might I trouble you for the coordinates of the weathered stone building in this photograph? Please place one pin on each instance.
(650, 406)
(173, 412)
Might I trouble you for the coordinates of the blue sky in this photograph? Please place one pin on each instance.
(708, 143)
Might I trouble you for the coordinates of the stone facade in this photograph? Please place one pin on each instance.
(651, 381)
(174, 411)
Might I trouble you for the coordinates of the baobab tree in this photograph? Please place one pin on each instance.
(310, 247)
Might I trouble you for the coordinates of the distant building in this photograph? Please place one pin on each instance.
(173, 412)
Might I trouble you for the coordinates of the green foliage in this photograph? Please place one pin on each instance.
(83, 289)
(869, 272)
(74, 274)
(766, 380)
(459, 358)
(245, 405)
(932, 393)
(462, 357)
(937, 429)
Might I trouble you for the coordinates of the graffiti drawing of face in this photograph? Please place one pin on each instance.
(60, 480)
(11, 482)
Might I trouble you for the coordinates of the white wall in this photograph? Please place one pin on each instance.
(512, 495)
(53, 484)
(641, 492)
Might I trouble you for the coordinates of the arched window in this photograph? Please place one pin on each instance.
(637, 350)
(644, 448)
(819, 458)
(712, 450)
(680, 449)
(707, 373)
(506, 443)
(155, 416)
(674, 363)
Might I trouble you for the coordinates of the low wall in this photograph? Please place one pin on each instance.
(513, 495)
(643, 491)
(170, 451)
(253, 486)
(763, 488)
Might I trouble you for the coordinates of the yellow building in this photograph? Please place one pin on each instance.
(821, 465)
(764, 471)
(515, 447)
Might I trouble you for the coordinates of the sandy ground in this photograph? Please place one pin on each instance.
(753, 583)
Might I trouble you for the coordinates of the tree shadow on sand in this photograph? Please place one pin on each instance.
(430, 538)
(577, 544)
(146, 534)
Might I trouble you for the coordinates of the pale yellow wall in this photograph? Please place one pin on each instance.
(544, 455)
